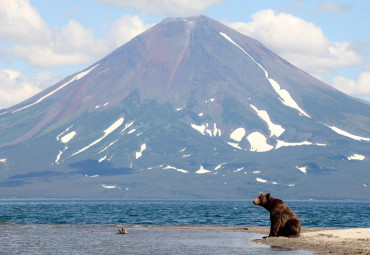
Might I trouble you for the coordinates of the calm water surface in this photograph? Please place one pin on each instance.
(80, 239)
(87, 226)
(179, 212)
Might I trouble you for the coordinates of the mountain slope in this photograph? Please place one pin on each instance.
(190, 108)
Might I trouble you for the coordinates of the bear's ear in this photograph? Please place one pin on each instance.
(268, 195)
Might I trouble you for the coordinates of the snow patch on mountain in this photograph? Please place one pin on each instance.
(68, 137)
(184, 155)
(356, 156)
(177, 169)
(64, 139)
(98, 106)
(109, 130)
(102, 159)
(261, 180)
(109, 145)
(285, 97)
(154, 167)
(180, 108)
(114, 126)
(198, 128)
(275, 129)
(75, 78)
(110, 186)
(127, 126)
(58, 156)
(207, 129)
(216, 131)
(219, 166)
(286, 144)
(258, 142)
(265, 181)
(347, 134)
(140, 153)
(202, 170)
(235, 145)
(237, 134)
(131, 131)
(239, 169)
(209, 100)
(65, 131)
(303, 169)
(92, 176)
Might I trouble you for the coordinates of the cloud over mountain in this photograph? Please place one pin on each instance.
(300, 42)
(16, 87)
(44, 46)
(361, 86)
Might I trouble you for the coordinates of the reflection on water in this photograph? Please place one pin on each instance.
(100, 239)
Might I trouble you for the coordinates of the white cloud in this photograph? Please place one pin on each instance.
(332, 7)
(166, 7)
(42, 46)
(71, 45)
(125, 28)
(35, 42)
(16, 87)
(361, 87)
(20, 21)
(298, 41)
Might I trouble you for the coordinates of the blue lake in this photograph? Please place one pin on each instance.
(88, 226)
(341, 214)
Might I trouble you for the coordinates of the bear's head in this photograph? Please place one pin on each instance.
(262, 199)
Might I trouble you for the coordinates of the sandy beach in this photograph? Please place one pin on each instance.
(323, 241)
(318, 240)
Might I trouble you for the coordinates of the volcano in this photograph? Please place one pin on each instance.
(188, 109)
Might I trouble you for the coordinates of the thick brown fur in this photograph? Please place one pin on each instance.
(284, 222)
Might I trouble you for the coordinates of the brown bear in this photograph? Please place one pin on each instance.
(284, 222)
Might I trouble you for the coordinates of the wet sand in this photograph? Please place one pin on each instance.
(318, 240)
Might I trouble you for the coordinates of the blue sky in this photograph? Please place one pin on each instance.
(42, 41)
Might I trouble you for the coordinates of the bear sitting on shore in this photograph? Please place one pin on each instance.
(284, 222)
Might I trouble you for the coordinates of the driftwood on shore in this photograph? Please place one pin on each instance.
(122, 230)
